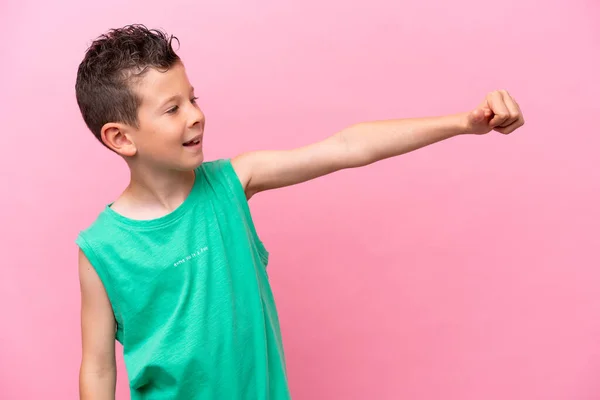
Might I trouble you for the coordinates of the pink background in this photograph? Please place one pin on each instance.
(468, 270)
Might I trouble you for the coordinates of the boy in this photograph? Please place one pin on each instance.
(174, 268)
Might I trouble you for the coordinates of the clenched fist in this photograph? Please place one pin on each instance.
(498, 112)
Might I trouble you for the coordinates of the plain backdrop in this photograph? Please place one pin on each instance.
(468, 270)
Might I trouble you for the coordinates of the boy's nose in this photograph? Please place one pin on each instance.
(197, 118)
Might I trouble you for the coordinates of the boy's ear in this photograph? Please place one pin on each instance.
(116, 136)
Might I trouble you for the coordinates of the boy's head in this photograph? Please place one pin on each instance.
(135, 97)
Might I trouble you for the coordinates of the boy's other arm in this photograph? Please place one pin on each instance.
(368, 142)
(97, 374)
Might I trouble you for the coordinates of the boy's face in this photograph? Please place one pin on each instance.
(170, 123)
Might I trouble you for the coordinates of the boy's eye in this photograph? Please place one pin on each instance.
(174, 109)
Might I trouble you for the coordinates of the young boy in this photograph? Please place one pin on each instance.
(174, 268)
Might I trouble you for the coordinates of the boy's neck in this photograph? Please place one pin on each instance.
(153, 195)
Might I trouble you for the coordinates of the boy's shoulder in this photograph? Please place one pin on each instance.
(221, 168)
(99, 227)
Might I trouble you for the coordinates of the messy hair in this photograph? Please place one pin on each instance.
(111, 65)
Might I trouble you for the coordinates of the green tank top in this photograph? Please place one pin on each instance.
(190, 294)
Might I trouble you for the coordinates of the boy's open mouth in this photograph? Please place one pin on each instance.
(193, 142)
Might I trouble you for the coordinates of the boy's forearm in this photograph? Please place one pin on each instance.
(97, 384)
(369, 142)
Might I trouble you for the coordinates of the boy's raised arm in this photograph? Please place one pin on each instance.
(368, 142)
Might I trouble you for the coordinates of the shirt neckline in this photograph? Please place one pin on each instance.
(160, 221)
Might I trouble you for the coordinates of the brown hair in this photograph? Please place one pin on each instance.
(110, 66)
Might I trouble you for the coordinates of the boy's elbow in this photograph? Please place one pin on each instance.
(354, 153)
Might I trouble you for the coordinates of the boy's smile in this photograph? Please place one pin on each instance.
(195, 143)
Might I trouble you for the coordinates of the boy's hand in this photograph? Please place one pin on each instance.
(498, 112)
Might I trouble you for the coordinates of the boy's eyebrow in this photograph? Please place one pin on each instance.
(174, 97)
(170, 99)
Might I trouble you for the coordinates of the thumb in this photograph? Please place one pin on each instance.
(477, 116)
(478, 120)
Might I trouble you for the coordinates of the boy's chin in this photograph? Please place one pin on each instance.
(197, 162)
